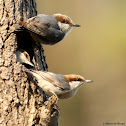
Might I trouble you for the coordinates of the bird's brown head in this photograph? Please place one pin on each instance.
(25, 54)
(65, 19)
(73, 77)
(23, 57)
(65, 23)
(76, 80)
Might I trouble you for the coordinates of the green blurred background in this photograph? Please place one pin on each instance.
(97, 51)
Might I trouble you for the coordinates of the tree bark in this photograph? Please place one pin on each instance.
(22, 102)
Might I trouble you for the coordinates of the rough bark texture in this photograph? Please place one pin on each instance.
(22, 102)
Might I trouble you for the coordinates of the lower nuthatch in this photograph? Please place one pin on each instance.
(48, 29)
(23, 57)
(62, 86)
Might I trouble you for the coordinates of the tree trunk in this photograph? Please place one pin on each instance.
(22, 102)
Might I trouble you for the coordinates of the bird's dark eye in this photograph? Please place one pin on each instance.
(63, 21)
(78, 79)
(26, 56)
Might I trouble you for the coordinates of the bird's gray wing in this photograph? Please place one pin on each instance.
(51, 77)
(46, 31)
(40, 29)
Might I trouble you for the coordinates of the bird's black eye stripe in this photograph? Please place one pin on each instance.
(63, 21)
(26, 55)
(78, 79)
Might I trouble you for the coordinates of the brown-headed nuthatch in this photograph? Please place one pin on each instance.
(62, 86)
(48, 29)
(23, 57)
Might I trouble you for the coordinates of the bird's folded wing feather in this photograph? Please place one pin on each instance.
(40, 29)
(44, 30)
(53, 80)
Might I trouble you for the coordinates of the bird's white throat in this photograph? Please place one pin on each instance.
(66, 28)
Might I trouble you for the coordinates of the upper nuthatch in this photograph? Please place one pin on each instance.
(23, 57)
(62, 86)
(48, 29)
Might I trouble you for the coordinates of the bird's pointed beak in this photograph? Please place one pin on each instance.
(89, 81)
(76, 25)
(29, 63)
